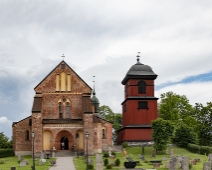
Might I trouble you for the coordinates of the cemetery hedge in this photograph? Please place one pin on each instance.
(6, 153)
(199, 149)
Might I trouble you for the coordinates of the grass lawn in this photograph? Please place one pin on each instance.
(13, 161)
(135, 151)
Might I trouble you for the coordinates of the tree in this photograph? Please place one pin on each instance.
(4, 141)
(115, 118)
(176, 107)
(184, 135)
(204, 118)
(162, 133)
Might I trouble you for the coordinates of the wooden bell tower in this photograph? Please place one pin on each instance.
(139, 107)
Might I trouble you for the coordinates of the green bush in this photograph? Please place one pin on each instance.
(90, 166)
(125, 145)
(205, 150)
(6, 153)
(106, 162)
(190, 166)
(109, 167)
(184, 135)
(106, 155)
(117, 162)
(113, 153)
(193, 148)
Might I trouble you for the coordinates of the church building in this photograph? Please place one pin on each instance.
(65, 107)
(139, 107)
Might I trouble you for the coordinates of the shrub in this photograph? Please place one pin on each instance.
(109, 167)
(117, 162)
(106, 162)
(205, 150)
(190, 165)
(114, 154)
(193, 148)
(105, 155)
(125, 145)
(90, 166)
(6, 153)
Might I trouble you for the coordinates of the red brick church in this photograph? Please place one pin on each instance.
(64, 109)
(139, 107)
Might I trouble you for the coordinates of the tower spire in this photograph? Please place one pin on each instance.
(94, 92)
(138, 57)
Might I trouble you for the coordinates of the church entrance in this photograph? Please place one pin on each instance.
(64, 143)
(64, 140)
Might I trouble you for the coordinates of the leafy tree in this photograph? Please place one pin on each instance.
(184, 135)
(176, 107)
(162, 133)
(4, 141)
(115, 118)
(204, 118)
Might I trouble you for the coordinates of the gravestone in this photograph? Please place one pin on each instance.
(42, 161)
(19, 157)
(184, 163)
(156, 165)
(193, 162)
(207, 166)
(99, 162)
(164, 158)
(12, 168)
(153, 153)
(210, 157)
(171, 152)
(42, 155)
(141, 157)
(23, 163)
(167, 165)
(173, 163)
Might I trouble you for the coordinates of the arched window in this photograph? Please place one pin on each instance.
(60, 110)
(27, 135)
(141, 87)
(103, 133)
(67, 110)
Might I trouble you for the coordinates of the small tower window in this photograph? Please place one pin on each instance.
(30, 122)
(141, 87)
(62, 66)
(142, 105)
(124, 107)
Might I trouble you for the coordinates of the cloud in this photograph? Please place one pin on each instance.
(196, 92)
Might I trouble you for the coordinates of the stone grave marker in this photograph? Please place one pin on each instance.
(42, 155)
(185, 163)
(153, 153)
(23, 163)
(167, 165)
(171, 152)
(42, 161)
(19, 157)
(193, 162)
(207, 166)
(210, 157)
(13, 168)
(164, 158)
(99, 162)
(173, 163)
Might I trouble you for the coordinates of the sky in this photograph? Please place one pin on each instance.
(102, 39)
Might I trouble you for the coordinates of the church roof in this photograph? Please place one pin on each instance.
(69, 68)
(139, 71)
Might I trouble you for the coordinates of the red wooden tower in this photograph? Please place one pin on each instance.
(139, 107)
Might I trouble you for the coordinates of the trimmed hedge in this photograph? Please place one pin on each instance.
(199, 149)
(6, 153)
(193, 148)
(205, 150)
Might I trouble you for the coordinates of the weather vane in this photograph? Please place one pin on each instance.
(63, 56)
